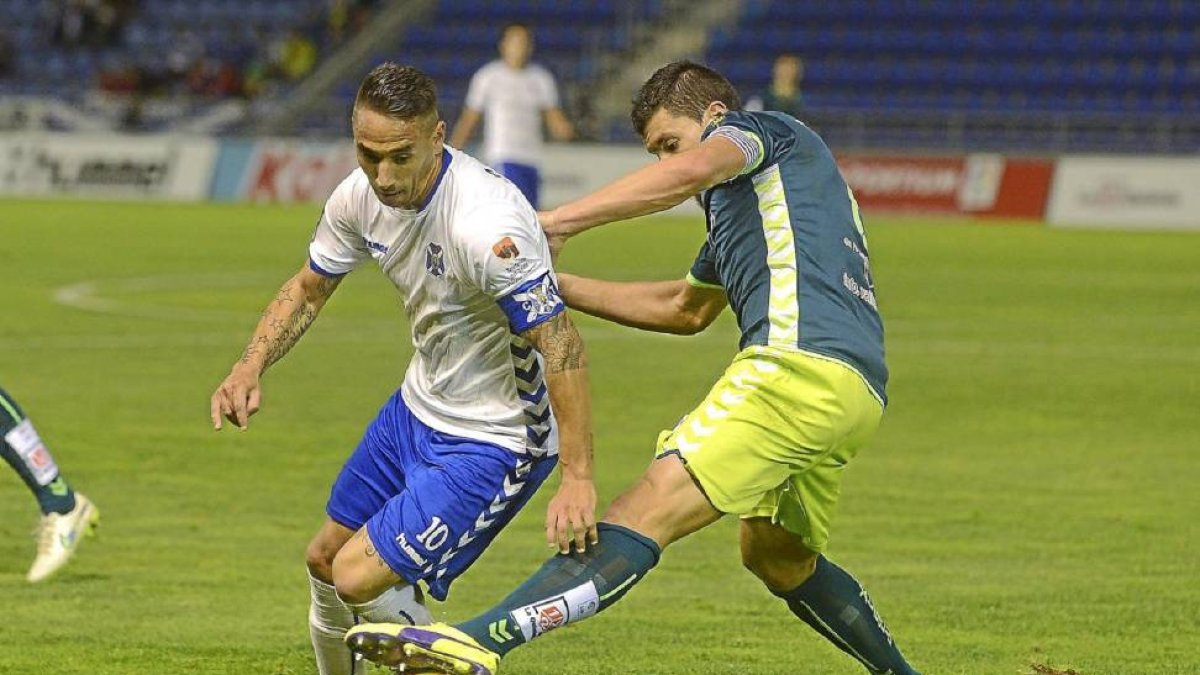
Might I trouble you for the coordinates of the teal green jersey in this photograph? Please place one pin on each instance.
(786, 242)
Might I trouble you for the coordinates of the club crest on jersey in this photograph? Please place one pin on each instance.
(435, 262)
(540, 299)
(505, 249)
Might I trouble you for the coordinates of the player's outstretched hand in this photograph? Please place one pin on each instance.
(571, 516)
(238, 397)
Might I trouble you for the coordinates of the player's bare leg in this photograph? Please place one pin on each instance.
(324, 547)
(777, 557)
(359, 574)
(821, 594)
(664, 506)
(330, 616)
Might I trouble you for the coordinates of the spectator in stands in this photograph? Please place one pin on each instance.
(784, 93)
(71, 23)
(97, 23)
(295, 55)
(337, 20)
(186, 49)
(515, 96)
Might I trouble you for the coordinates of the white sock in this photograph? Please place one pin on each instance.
(328, 621)
(399, 604)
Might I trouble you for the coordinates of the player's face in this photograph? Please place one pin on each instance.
(669, 134)
(400, 157)
(516, 46)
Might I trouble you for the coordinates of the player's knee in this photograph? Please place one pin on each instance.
(352, 580)
(319, 558)
(778, 572)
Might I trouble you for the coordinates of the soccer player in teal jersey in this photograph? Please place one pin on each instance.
(787, 251)
(66, 515)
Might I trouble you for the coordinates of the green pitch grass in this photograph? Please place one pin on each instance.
(1030, 499)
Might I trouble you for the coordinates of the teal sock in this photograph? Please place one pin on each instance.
(568, 588)
(24, 451)
(837, 607)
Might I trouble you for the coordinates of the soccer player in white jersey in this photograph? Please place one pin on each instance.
(495, 395)
(514, 96)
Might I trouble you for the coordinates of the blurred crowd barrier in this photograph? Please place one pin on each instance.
(1071, 190)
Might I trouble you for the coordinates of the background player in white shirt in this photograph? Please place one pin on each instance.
(514, 96)
(470, 435)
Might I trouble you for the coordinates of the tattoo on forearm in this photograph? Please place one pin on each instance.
(248, 353)
(560, 345)
(283, 331)
(294, 327)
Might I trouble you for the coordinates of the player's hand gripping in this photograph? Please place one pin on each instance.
(238, 397)
(557, 239)
(571, 515)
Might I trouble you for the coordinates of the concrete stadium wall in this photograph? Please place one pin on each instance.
(1073, 191)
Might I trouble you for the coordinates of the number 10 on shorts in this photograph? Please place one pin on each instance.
(435, 535)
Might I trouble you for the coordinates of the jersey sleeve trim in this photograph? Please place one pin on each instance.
(532, 303)
(312, 265)
(746, 141)
(693, 281)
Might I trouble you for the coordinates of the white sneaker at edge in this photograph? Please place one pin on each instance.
(58, 535)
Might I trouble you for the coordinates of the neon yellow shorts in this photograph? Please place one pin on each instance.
(773, 435)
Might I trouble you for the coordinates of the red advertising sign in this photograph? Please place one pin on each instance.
(981, 184)
(296, 173)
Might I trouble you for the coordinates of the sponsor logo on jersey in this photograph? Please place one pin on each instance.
(517, 270)
(506, 249)
(435, 262)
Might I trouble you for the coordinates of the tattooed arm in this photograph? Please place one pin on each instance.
(572, 512)
(282, 323)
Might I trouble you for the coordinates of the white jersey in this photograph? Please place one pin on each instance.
(473, 269)
(512, 102)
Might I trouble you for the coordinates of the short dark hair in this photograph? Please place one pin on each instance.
(682, 88)
(402, 92)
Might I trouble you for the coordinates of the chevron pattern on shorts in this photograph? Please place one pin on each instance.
(730, 392)
(514, 482)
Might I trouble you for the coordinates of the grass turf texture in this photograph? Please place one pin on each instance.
(1031, 497)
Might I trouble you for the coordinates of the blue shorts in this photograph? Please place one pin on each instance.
(432, 502)
(525, 177)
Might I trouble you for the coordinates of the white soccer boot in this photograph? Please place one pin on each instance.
(58, 536)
